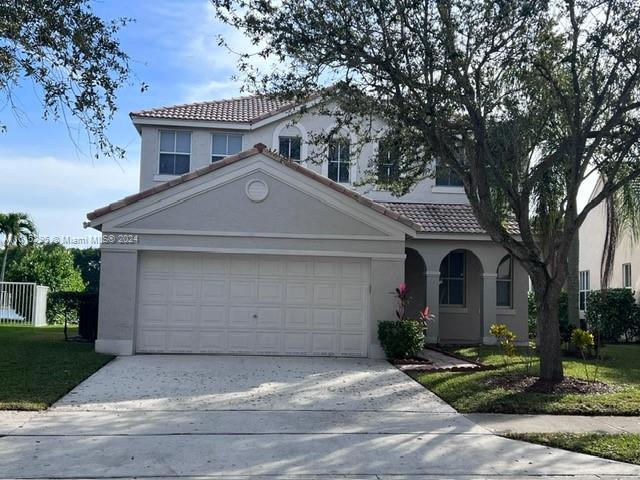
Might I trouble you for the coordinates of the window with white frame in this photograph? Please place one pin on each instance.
(175, 152)
(452, 288)
(290, 147)
(626, 275)
(339, 161)
(224, 144)
(585, 285)
(388, 162)
(445, 177)
(504, 282)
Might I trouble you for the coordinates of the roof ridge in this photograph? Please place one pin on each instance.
(203, 102)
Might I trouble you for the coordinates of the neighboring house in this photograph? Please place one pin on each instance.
(231, 248)
(626, 265)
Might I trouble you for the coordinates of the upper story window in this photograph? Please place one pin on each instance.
(339, 162)
(504, 282)
(388, 162)
(445, 177)
(626, 275)
(452, 279)
(289, 147)
(584, 283)
(224, 144)
(175, 152)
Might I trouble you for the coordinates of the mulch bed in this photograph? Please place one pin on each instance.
(411, 364)
(530, 384)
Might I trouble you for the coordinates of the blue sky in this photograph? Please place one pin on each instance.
(173, 47)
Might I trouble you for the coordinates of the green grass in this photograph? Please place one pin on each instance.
(468, 392)
(37, 366)
(621, 447)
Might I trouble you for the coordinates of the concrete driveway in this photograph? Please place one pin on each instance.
(272, 417)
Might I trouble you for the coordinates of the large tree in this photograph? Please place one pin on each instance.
(71, 57)
(522, 99)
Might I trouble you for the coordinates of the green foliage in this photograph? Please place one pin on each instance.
(50, 265)
(482, 391)
(623, 447)
(563, 316)
(37, 366)
(88, 261)
(506, 340)
(17, 229)
(401, 338)
(71, 56)
(612, 313)
(584, 342)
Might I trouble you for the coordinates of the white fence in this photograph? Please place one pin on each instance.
(23, 303)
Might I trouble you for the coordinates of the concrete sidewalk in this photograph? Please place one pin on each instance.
(509, 423)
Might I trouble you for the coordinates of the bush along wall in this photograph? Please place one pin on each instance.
(613, 314)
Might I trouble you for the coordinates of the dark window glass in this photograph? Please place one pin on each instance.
(503, 282)
(166, 163)
(290, 147)
(388, 163)
(452, 279)
(445, 177)
(339, 163)
(175, 149)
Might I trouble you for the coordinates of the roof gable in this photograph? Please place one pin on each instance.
(97, 216)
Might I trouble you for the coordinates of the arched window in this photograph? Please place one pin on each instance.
(452, 279)
(504, 282)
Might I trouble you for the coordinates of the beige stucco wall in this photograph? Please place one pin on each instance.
(592, 234)
(298, 217)
(470, 324)
(305, 126)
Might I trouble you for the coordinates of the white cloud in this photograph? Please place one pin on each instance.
(58, 193)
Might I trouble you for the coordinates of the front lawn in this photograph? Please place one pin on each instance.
(474, 392)
(621, 447)
(37, 366)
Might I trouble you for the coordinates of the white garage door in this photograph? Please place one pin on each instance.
(245, 304)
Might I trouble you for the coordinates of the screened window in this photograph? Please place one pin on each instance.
(339, 163)
(388, 163)
(290, 147)
(175, 152)
(445, 177)
(504, 282)
(585, 285)
(626, 275)
(224, 144)
(452, 279)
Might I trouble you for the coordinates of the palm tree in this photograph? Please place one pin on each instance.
(17, 229)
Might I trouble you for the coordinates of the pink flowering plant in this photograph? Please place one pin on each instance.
(404, 338)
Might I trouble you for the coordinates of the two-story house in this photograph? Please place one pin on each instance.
(626, 265)
(238, 243)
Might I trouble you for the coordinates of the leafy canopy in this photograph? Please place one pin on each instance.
(71, 56)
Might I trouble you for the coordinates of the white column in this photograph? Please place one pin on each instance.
(488, 306)
(433, 301)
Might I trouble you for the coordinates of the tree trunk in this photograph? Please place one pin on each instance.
(4, 263)
(573, 282)
(547, 299)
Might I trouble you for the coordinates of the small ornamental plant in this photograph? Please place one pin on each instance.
(506, 339)
(404, 337)
(584, 342)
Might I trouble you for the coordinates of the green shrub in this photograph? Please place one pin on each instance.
(584, 342)
(401, 338)
(612, 314)
(506, 339)
(563, 316)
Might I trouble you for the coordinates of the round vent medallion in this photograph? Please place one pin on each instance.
(257, 190)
